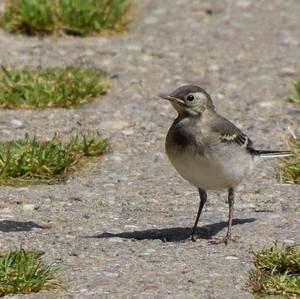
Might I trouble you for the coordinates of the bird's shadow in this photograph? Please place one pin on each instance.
(175, 234)
(7, 226)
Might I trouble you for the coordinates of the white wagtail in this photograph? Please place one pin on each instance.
(207, 149)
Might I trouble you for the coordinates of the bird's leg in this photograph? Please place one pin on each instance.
(231, 205)
(203, 198)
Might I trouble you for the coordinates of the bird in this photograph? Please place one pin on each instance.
(208, 150)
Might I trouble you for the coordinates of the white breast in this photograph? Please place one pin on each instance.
(225, 168)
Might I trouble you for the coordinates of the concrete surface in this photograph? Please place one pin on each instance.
(121, 229)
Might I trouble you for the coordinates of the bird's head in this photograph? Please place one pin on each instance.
(190, 100)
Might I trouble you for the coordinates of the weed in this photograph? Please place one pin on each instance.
(23, 272)
(277, 272)
(33, 161)
(290, 167)
(78, 17)
(51, 87)
(294, 96)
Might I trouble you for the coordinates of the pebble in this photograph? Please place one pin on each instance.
(131, 226)
(116, 239)
(288, 72)
(29, 207)
(116, 158)
(128, 132)
(290, 40)
(267, 104)
(243, 206)
(17, 123)
(243, 4)
(214, 67)
(231, 257)
(115, 124)
(149, 252)
(289, 242)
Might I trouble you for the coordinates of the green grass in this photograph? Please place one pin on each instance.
(50, 87)
(294, 96)
(34, 161)
(276, 272)
(23, 272)
(290, 167)
(79, 17)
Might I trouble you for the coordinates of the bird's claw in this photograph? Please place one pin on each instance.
(222, 240)
(193, 239)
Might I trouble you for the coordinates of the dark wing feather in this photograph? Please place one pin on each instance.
(229, 133)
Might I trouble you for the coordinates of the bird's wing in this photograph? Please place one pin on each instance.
(229, 133)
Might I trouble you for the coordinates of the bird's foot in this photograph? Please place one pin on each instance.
(223, 240)
(193, 238)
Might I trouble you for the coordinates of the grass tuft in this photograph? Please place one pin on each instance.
(294, 96)
(35, 161)
(290, 167)
(51, 87)
(77, 17)
(277, 272)
(23, 272)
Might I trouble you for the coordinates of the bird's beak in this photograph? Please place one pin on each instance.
(171, 99)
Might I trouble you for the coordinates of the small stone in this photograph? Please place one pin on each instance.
(231, 257)
(4, 217)
(131, 226)
(214, 67)
(243, 4)
(289, 242)
(290, 40)
(115, 125)
(17, 123)
(116, 239)
(243, 206)
(116, 157)
(288, 72)
(128, 132)
(220, 96)
(267, 104)
(108, 274)
(29, 207)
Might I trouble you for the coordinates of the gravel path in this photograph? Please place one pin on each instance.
(120, 230)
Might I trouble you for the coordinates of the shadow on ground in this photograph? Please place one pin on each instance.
(18, 226)
(174, 234)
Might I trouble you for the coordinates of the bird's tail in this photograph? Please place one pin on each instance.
(272, 154)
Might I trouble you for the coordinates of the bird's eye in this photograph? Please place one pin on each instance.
(190, 98)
